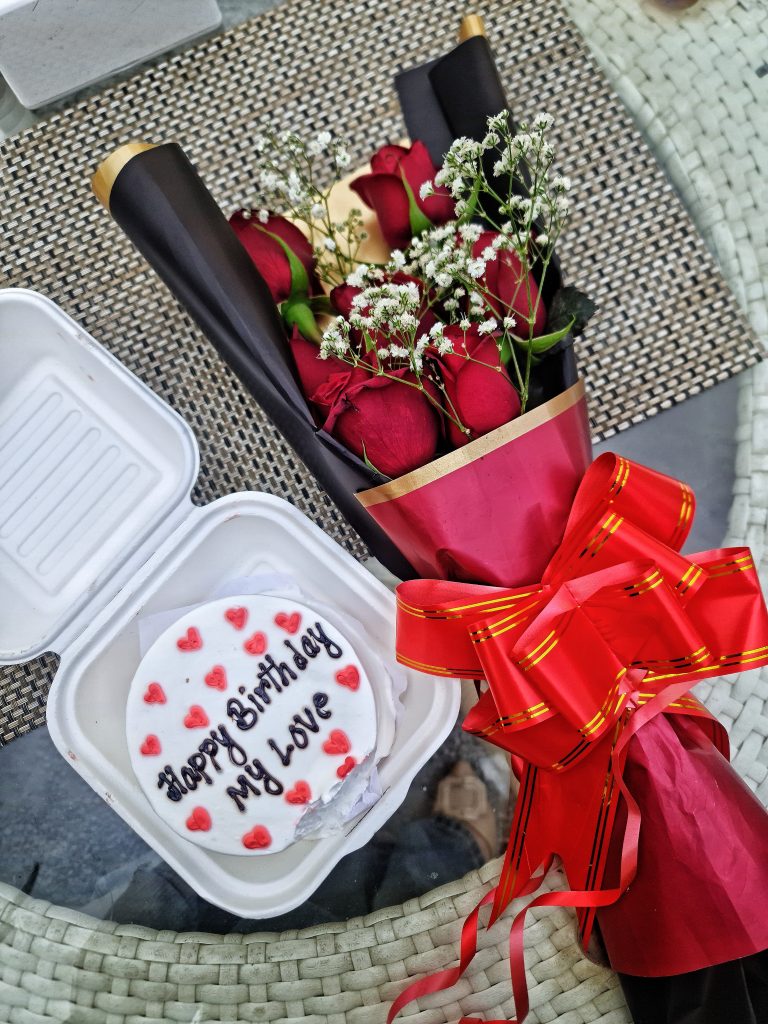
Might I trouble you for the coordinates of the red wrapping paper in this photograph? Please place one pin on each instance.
(625, 775)
(494, 510)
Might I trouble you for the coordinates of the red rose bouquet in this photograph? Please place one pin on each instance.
(434, 360)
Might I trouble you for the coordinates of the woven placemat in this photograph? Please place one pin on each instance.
(667, 328)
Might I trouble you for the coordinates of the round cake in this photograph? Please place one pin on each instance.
(244, 716)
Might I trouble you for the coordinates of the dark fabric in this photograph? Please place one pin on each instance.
(422, 112)
(165, 209)
(731, 993)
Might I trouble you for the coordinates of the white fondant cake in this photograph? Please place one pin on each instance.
(244, 716)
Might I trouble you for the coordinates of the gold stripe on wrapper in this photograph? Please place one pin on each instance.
(471, 25)
(108, 170)
(474, 450)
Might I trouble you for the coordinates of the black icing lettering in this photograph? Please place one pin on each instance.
(242, 791)
(298, 658)
(286, 757)
(236, 753)
(168, 778)
(243, 717)
(320, 700)
(283, 670)
(190, 776)
(298, 736)
(210, 747)
(310, 648)
(332, 649)
(259, 707)
(308, 722)
(271, 785)
(199, 764)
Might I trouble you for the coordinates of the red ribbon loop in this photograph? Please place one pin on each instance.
(619, 626)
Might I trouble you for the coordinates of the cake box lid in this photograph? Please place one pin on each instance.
(95, 471)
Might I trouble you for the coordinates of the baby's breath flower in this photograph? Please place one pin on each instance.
(476, 268)
(444, 345)
(319, 144)
(487, 326)
(470, 232)
(509, 322)
(542, 239)
(426, 189)
(543, 121)
(358, 276)
(342, 157)
(263, 216)
(465, 324)
(329, 244)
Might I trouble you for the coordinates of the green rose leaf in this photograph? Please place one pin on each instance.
(297, 312)
(419, 220)
(299, 276)
(538, 346)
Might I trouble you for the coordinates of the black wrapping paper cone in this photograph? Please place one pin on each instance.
(163, 206)
(454, 96)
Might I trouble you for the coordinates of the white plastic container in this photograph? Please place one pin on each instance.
(97, 530)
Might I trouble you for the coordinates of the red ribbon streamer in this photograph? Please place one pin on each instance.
(619, 627)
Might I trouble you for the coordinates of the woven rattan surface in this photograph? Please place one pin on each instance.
(667, 327)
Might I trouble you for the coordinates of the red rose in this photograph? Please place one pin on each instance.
(394, 426)
(268, 254)
(384, 190)
(505, 280)
(482, 398)
(312, 370)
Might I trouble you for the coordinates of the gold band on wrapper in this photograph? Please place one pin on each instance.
(108, 170)
(475, 449)
(471, 25)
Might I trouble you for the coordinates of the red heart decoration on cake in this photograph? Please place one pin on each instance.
(349, 677)
(199, 820)
(257, 644)
(151, 746)
(217, 678)
(290, 623)
(257, 839)
(196, 718)
(191, 641)
(237, 616)
(344, 769)
(300, 794)
(337, 743)
(155, 694)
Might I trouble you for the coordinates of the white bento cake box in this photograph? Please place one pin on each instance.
(97, 530)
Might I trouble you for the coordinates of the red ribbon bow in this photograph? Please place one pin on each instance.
(619, 627)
